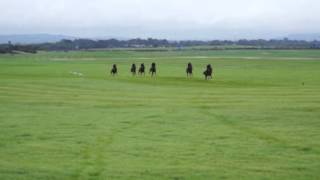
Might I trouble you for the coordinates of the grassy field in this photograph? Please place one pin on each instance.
(259, 118)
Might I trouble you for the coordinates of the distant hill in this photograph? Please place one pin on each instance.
(32, 38)
(306, 37)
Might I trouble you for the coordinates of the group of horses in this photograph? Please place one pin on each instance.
(141, 71)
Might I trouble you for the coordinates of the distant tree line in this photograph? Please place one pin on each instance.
(85, 44)
(11, 49)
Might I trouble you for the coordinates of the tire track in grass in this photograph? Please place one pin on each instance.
(258, 134)
(95, 155)
(252, 132)
(284, 149)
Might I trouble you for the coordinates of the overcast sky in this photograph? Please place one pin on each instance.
(172, 19)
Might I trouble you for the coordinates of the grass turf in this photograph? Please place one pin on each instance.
(259, 118)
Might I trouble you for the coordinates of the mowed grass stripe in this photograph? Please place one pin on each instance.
(209, 97)
(47, 95)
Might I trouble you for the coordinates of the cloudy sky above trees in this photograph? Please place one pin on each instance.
(172, 19)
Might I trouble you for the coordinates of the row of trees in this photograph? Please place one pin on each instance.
(9, 48)
(83, 44)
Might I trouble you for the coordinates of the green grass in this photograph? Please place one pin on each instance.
(259, 118)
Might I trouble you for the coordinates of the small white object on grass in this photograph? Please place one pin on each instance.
(76, 73)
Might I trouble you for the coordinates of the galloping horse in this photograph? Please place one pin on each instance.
(189, 70)
(114, 70)
(141, 69)
(153, 69)
(208, 72)
(133, 69)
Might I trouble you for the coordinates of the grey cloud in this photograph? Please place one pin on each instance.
(179, 19)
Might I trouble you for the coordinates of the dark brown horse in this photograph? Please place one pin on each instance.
(114, 70)
(141, 69)
(133, 69)
(153, 69)
(208, 72)
(189, 70)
